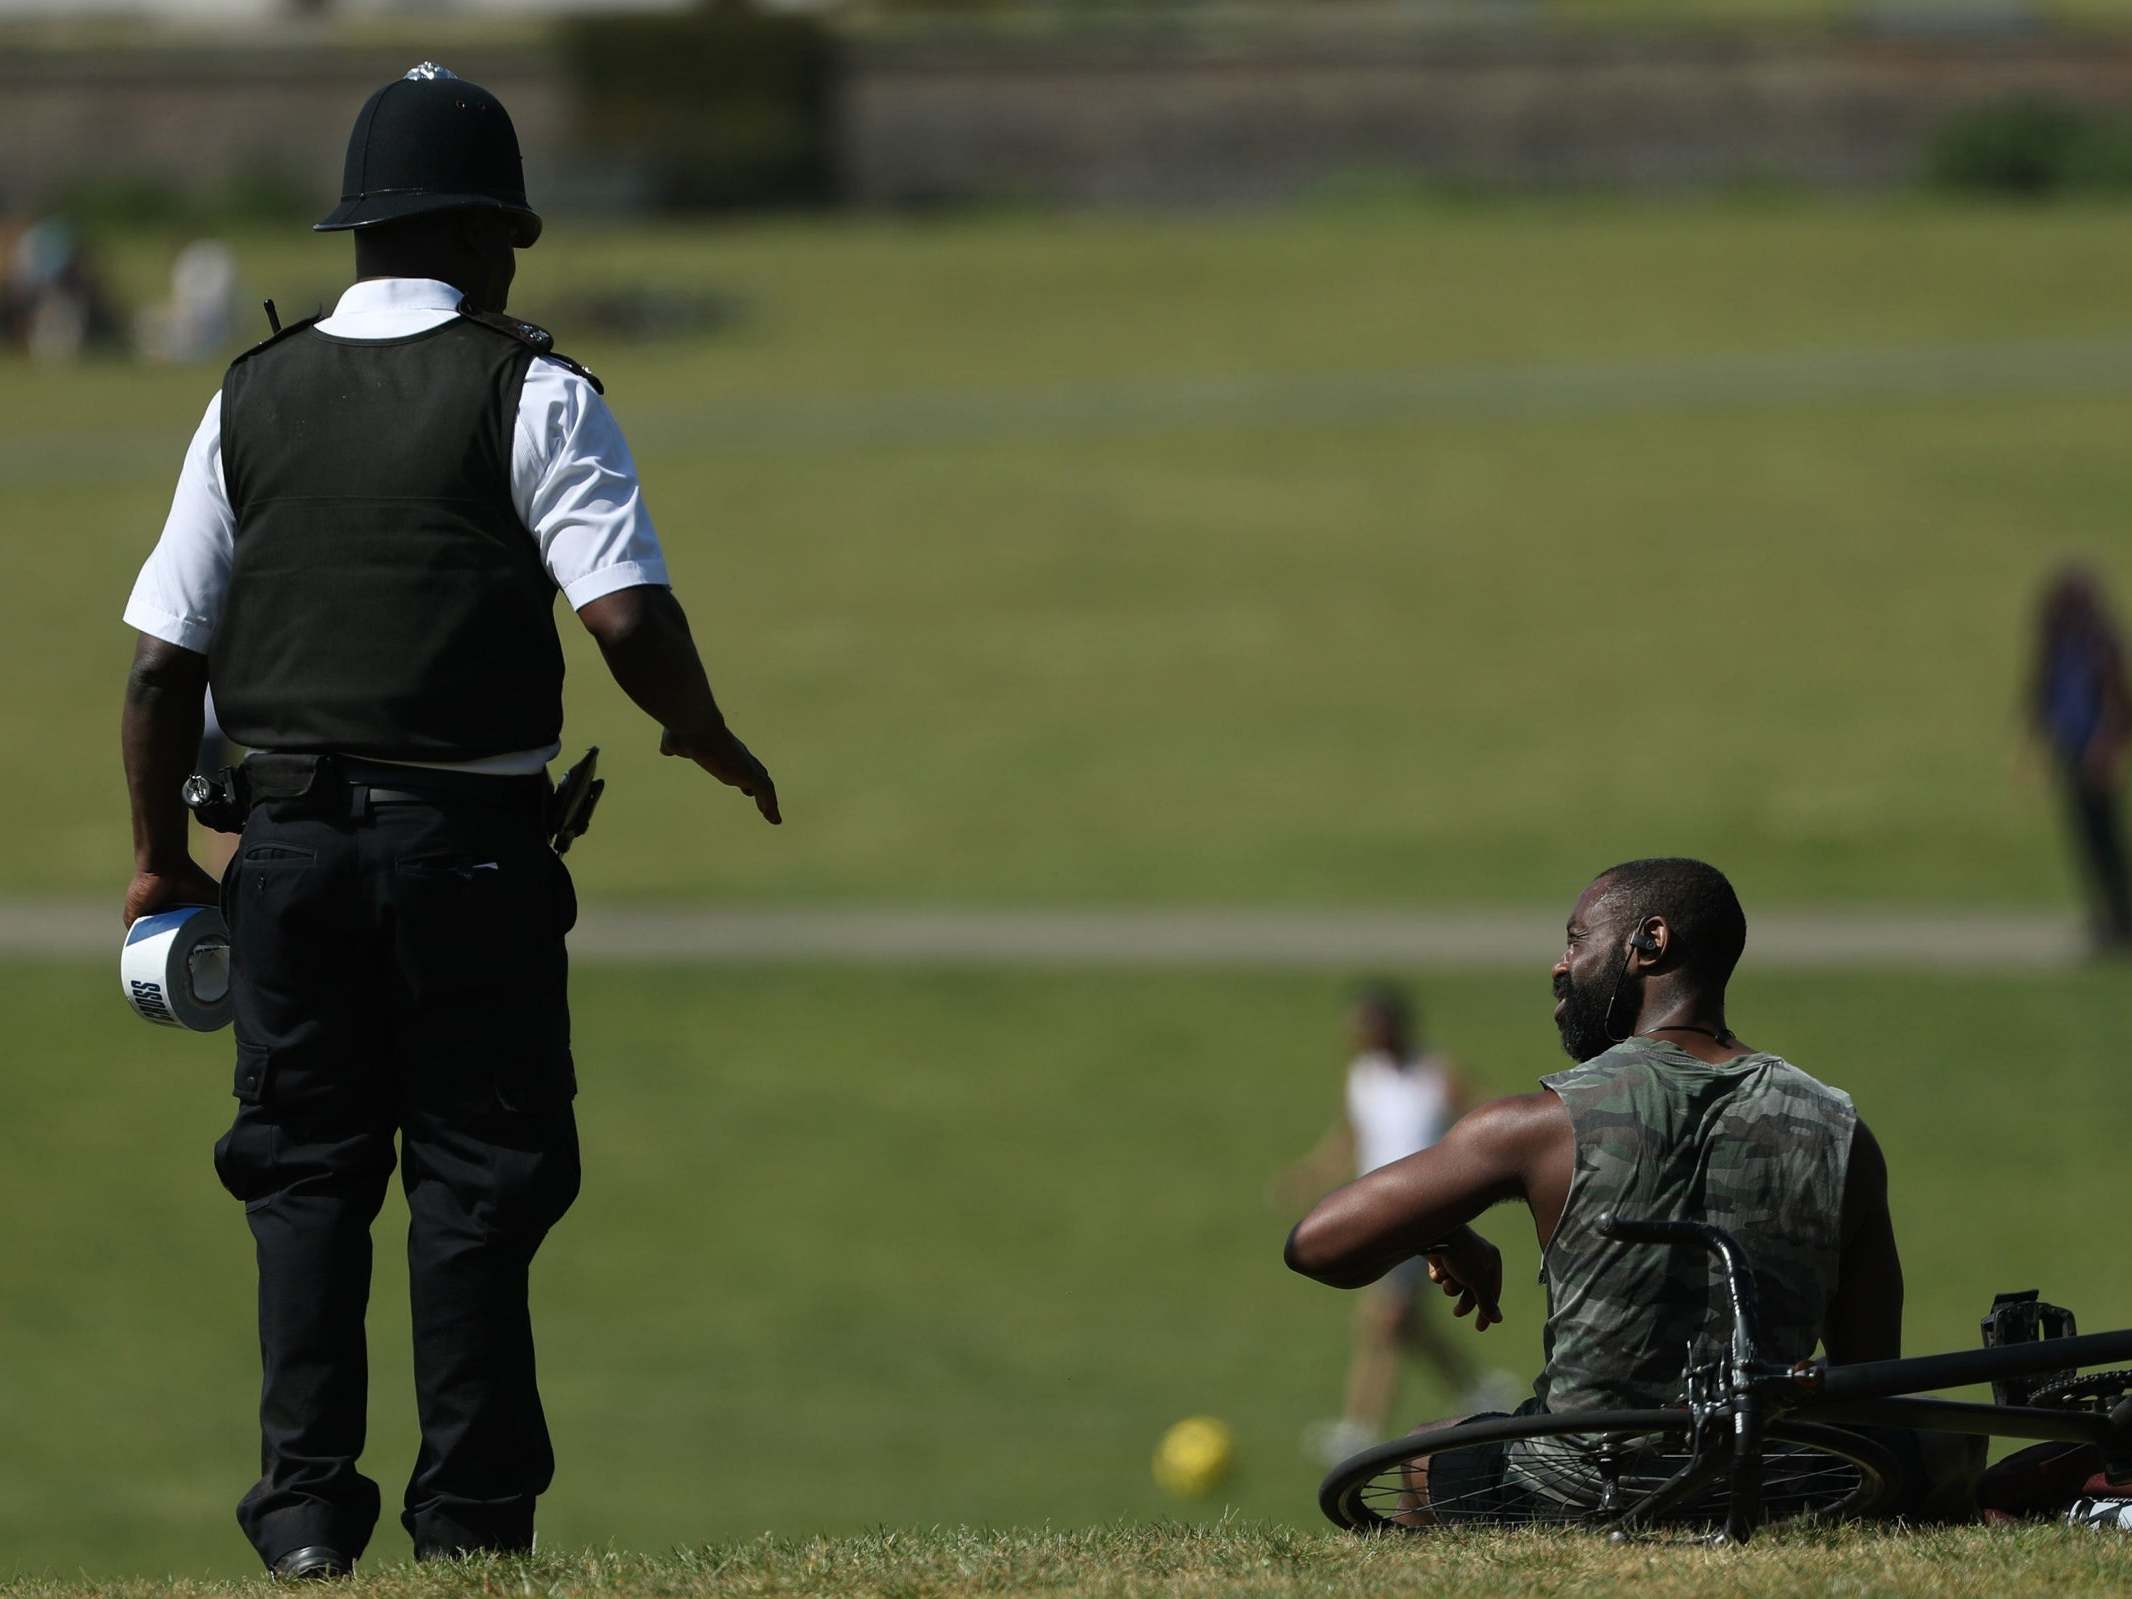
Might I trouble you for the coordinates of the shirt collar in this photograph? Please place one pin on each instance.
(373, 295)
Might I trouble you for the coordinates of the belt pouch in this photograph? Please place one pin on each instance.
(306, 780)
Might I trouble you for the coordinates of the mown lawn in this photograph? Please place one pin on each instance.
(913, 1249)
(1247, 1559)
(1347, 555)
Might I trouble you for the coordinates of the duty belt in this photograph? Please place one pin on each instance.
(346, 788)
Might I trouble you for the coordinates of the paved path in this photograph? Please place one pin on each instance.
(1340, 400)
(1440, 939)
(1133, 407)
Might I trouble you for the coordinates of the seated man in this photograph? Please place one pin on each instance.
(1666, 1115)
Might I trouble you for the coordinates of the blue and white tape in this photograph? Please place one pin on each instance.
(174, 969)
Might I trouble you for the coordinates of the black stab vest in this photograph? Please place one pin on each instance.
(385, 599)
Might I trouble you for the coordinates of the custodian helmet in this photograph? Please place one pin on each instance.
(431, 141)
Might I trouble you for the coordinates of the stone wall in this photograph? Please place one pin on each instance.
(1155, 122)
(201, 117)
(1137, 118)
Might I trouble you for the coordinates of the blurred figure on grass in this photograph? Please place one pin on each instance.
(1400, 1097)
(198, 320)
(2080, 711)
(53, 303)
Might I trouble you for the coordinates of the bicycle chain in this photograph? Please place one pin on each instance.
(2101, 1388)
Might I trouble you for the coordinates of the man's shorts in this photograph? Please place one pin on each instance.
(1475, 1481)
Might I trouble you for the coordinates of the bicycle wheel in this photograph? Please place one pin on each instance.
(1591, 1468)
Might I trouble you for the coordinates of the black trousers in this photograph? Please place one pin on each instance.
(2097, 813)
(400, 973)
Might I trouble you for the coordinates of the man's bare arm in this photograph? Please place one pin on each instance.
(1865, 1316)
(1358, 1233)
(159, 734)
(643, 634)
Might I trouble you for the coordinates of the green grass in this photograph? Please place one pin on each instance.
(1015, 620)
(1255, 1561)
(869, 1249)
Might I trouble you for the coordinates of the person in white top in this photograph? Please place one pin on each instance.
(1398, 1098)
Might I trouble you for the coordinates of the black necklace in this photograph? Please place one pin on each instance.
(1720, 1035)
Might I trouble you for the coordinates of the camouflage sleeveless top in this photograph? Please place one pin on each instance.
(1753, 1145)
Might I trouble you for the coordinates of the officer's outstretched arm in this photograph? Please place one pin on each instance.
(643, 634)
(159, 735)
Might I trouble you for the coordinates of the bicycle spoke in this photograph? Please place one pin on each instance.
(1559, 1478)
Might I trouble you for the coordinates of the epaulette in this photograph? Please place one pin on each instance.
(535, 338)
(279, 334)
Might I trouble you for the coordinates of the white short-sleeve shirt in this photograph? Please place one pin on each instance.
(1396, 1109)
(573, 484)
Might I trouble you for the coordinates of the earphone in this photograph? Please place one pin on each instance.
(1640, 942)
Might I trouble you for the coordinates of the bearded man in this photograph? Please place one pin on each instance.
(1668, 1114)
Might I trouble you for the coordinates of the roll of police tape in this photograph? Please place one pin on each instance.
(174, 968)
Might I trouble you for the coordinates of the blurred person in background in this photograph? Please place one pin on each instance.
(196, 322)
(53, 304)
(1399, 1097)
(2080, 711)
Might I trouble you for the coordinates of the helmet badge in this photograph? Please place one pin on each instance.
(426, 72)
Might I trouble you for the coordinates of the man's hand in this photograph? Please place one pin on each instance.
(730, 761)
(1470, 1269)
(150, 892)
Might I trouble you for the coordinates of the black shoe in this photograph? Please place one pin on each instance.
(314, 1562)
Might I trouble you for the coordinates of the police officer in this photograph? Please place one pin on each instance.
(362, 556)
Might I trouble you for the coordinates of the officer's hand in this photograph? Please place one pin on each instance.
(731, 762)
(161, 891)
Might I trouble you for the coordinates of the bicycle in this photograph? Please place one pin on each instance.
(1748, 1440)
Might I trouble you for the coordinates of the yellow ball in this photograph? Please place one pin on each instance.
(1194, 1457)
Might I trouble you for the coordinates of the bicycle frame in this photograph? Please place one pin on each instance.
(1744, 1392)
